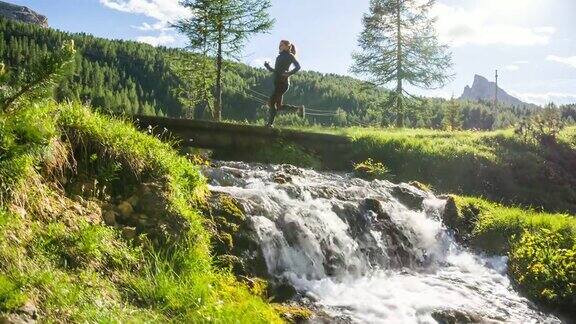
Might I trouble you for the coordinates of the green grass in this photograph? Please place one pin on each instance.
(541, 246)
(56, 253)
(497, 165)
(276, 153)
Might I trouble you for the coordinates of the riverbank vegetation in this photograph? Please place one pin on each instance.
(498, 165)
(541, 247)
(100, 223)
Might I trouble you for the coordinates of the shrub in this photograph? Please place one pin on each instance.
(543, 264)
(371, 170)
(543, 127)
(290, 120)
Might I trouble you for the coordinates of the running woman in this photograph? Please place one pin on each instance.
(282, 74)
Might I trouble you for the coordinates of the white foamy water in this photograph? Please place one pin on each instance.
(358, 250)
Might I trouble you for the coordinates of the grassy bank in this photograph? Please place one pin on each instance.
(541, 246)
(497, 165)
(62, 169)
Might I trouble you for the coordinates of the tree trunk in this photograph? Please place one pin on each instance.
(399, 73)
(218, 87)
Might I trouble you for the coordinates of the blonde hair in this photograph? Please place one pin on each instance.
(291, 47)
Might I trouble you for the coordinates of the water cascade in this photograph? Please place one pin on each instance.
(368, 251)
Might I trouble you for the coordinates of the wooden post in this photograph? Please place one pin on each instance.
(496, 92)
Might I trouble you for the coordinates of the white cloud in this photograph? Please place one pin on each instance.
(488, 23)
(568, 60)
(162, 10)
(547, 97)
(157, 40)
(512, 67)
(521, 62)
(160, 25)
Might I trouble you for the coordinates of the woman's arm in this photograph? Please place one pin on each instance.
(268, 67)
(296, 65)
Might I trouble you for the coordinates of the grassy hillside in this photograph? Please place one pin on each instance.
(497, 165)
(64, 174)
(134, 78)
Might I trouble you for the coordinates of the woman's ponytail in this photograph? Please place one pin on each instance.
(291, 47)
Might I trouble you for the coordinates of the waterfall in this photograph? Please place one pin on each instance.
(368, 251)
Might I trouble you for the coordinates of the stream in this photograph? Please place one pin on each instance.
(368, 251)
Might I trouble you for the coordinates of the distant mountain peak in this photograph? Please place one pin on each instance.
(479, 78)
(22, 14)
(484, 90)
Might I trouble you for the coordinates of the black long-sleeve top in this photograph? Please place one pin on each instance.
(283, 63)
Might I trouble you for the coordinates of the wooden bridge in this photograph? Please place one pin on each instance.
(232, 138)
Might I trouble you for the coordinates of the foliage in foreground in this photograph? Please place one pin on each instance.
(541, 247)
(55, 252)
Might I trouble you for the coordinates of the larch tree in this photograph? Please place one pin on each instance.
(399, 44)
(452, 120)
(220, 28)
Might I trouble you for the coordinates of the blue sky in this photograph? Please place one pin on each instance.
(531, 42)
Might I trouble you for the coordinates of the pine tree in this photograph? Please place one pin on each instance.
(452, 116)
(399, 43)
(220, 28)
(41, 80)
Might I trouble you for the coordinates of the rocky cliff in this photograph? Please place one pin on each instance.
(23, 14)
(482, 89)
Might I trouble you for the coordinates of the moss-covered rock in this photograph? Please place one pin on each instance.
(460, 217)
(233, 240)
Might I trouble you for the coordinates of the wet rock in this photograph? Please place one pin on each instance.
(247, 248)
(407, 197)
(454, 316)
(109, 217)
(292, 170)
(375, 206)
(16, 319)
(234, 237)
(282, 291)
(151, 200)
(293, 191)
(319, 313)
(129, 232)
(398, 246)
(282, 178)
(29, 309)
(420, 186)
(126, 209)
(133, 200)
(224, 176)
(229, 261)
(26, 314)
(142, 219)
(461, 222)
(325, 192)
